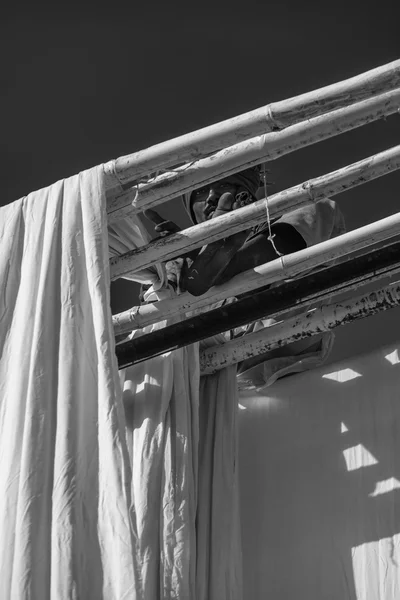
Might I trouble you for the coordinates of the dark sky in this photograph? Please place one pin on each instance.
(81, 88)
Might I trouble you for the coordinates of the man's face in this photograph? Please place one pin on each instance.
(204, 201)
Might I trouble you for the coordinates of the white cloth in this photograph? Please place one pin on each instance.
(161, 406)
(185, 493)
(320, 482)
(128, 234)
(295, 357)
(64, 469)
(219, 546)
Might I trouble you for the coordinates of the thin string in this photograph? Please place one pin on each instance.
(271, 235)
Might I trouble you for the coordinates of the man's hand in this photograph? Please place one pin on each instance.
(227, 202)
(162, 226)
(213, 258)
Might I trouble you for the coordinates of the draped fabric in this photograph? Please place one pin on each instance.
(320, 482)
(127, 234)
(183, 446)
(65, 527)
(161, 406)
(219, 561)
(98, 502)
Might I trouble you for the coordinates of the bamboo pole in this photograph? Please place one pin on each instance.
(245, 154)
(326, 185)
(329, 282)
(285, 267)
(274, 116)
(302, 326)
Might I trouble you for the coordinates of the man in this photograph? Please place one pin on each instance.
(221, 260)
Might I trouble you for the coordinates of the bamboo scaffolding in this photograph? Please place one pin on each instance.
(272, 117)
(288, 266)
(328, 283)
(308, 324)
(245, 154)
(326, 185)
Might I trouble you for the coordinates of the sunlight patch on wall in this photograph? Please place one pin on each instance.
(343, 428)
(357, 457)
(393, 357)
(140, 387)
(376, 569)
(342, 375)
(258, 401)
(242, 407)
(383, 487)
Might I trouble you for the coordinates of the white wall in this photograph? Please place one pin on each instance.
(319, 472)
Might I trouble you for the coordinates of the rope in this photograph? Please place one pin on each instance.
(271, 235)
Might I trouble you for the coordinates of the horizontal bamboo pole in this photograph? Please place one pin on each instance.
(302, 326)
(285, 267)
(254, 151)
(274, 116)
(326, 284)
(326, 185)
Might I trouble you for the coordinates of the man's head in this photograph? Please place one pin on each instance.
(201, 203)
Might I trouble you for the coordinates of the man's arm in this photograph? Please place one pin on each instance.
(200, 274)
(222, 260)
(202, 269)
(297, 229)
(259, 250)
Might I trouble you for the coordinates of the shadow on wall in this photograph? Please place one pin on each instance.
(320, 483)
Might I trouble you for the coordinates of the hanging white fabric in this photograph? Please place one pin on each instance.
(65, 518)
(219, 559)
(183, 447)
(161, 406)
(320, 481)
(75, 521)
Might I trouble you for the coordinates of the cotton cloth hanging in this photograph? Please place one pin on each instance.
(75, 521)
(183, 446)
(65, 517)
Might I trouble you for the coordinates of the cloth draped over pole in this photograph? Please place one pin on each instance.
(183, 443)
(101, 502)
(119, 487)
(65, 475)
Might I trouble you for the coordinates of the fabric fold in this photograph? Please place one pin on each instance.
(65, 474)
(161, 399)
